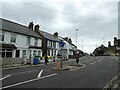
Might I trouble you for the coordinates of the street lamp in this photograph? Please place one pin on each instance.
(76, 36)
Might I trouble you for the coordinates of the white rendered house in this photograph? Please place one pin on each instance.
(18, 41)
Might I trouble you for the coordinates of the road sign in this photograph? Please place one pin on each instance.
(61, 43)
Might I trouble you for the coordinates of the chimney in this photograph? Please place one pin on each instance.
(70, 40)
(56, 34)
(115, 38)
(109, 44)
(66, 38)
(31, 25)
(36, 28)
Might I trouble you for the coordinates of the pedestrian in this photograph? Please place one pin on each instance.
(46, 59)
(77, 58)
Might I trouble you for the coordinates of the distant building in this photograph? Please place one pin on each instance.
(115, 49)
(111, 49)
(117, 46)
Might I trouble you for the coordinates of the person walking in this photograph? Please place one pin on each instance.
(46, 59)
(77, 58)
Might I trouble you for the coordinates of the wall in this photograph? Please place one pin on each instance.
(21, 43)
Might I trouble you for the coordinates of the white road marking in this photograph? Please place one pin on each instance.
(5, 77)
(93, 63)
(83, 66)
(78, 67)
(99, 60)
(110, 83)
(75, 69)
(39, 75)
(29, 81)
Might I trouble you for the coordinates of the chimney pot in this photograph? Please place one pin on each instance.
(109, 44)
(31, 25)
(56, 34)
(36, 28)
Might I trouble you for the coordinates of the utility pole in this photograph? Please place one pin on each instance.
(76, 36)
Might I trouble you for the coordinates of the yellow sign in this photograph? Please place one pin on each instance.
(58, 64)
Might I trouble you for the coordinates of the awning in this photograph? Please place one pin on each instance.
(7, 46)
(35, 47)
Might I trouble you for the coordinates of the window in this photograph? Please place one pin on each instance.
(48, 52)
(36, 42)
(2, 35)
(17, 53)
(13, 38)
(28, 40)
(34, 53)
(9, 53)
(39, 53)
(6, 53)
(24, 53)
(54, 44)
(3, 53)
(49, 43)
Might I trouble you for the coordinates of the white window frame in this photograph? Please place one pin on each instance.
(36, 42)
(2, 36)
(13, 38)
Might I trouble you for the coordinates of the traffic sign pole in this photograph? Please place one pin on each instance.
(61, 58)
(61, 44)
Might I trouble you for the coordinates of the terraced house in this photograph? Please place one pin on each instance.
(18, 41)
(50, 42)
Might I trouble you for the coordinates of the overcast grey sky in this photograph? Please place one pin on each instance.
(96, 20)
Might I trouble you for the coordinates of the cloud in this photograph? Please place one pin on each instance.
(94, 19)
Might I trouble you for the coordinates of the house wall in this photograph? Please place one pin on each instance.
(54, 50)
(21, 44)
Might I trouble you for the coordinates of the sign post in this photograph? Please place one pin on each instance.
(61, 44)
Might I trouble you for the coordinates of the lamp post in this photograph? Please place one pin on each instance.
(76, 36)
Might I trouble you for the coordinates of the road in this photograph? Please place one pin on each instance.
(96, 72)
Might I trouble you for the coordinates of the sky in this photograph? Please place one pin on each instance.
(96, 20)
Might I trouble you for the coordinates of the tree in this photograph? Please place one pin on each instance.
(100, 50)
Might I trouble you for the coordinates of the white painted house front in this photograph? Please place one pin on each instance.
(19, 41)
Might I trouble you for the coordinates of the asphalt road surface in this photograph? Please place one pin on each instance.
(95, 72)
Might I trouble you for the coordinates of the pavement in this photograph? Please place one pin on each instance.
(22, 66)
(15, 66)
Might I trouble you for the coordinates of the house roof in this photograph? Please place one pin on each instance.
(49, 36)
(69, 42)
(17, 28)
